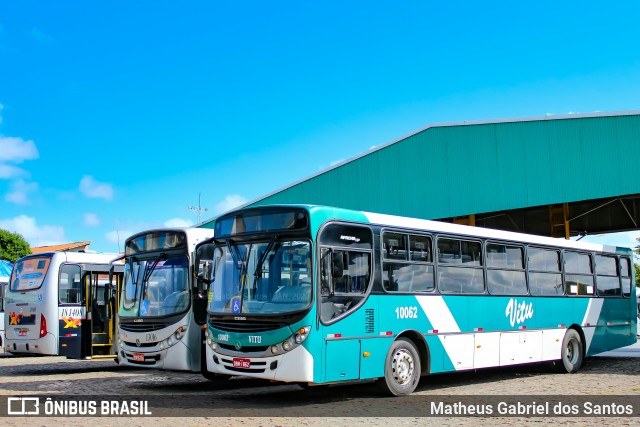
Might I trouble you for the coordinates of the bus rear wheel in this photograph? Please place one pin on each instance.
(401, 369)
(572, 353)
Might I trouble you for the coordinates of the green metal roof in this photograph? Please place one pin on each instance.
(455, 169)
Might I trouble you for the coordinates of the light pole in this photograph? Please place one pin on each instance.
(198, 209)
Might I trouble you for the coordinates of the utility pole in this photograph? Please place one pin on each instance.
(198, 209)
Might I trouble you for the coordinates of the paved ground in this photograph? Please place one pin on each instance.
(611, 374)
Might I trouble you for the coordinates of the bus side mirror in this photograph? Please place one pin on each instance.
(203, 266)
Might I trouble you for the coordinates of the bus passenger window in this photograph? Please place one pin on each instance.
(608, 282)
(70, 289)
(578, 273)
(395, 246)
(544, 272)
(625, 276)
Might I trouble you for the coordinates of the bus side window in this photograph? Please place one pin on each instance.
(70, 289)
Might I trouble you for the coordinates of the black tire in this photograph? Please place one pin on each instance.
(401, 369)
(572, 353)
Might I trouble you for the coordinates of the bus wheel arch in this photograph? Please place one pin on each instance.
(423, 350)
(403, 365)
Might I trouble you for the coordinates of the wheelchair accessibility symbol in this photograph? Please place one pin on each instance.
(235, 308)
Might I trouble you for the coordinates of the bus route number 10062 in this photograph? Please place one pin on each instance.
(406, 312)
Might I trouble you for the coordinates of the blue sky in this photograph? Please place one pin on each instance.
(114, 116)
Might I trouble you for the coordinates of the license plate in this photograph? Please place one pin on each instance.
(241, 363)
(138, 357)
(22, 332)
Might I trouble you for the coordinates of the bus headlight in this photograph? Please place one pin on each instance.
(302, 334)
(212, 344)
(173, 338)
(180, 332)
(292, 342)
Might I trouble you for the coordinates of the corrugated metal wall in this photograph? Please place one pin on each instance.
(451, 170)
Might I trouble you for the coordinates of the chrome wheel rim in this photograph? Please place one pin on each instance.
(572, 351)
(402, 366)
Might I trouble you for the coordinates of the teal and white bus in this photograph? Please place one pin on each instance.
(318, 295)
(162, 310)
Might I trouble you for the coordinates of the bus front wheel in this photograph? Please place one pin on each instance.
(401, 369)
(572, 352)
(215, 378)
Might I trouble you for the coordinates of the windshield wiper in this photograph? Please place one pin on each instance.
(264, 256)
(258, 272)
(148, 272)
(234, 255)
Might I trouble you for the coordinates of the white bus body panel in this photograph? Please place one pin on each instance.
(293, 366)
(178, 357)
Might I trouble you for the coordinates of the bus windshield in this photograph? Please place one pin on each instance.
(261, 277)
(155, 287)
(29, 273)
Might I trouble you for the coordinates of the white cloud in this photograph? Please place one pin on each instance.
(92, 188)
(91, 220)
(178, 222)
(10, 171)
(231, 201)
(32, 233)
(20, 190)
(17, 150)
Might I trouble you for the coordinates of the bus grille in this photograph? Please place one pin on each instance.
(246, 349)
(245, 325)
(141, 327)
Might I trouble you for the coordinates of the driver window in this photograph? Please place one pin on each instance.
(344, 280)
(345, 268)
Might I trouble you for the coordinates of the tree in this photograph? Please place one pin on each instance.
(13, 246)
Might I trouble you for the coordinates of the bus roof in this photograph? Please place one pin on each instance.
(437, 226)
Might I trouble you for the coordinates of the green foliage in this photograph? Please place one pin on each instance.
(12, 246)
(636, 267)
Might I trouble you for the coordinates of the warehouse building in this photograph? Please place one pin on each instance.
(554, 175)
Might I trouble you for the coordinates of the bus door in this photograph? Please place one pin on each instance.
(72, 313)
(102, 312)
(112, 302)
(345, 273)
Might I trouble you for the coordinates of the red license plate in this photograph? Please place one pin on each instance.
(241, 363)
(22, 332)
(138, 357)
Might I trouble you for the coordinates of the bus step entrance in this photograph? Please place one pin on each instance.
(100, 338)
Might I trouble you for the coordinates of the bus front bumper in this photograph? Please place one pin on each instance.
(294, 366)
(175, 358)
